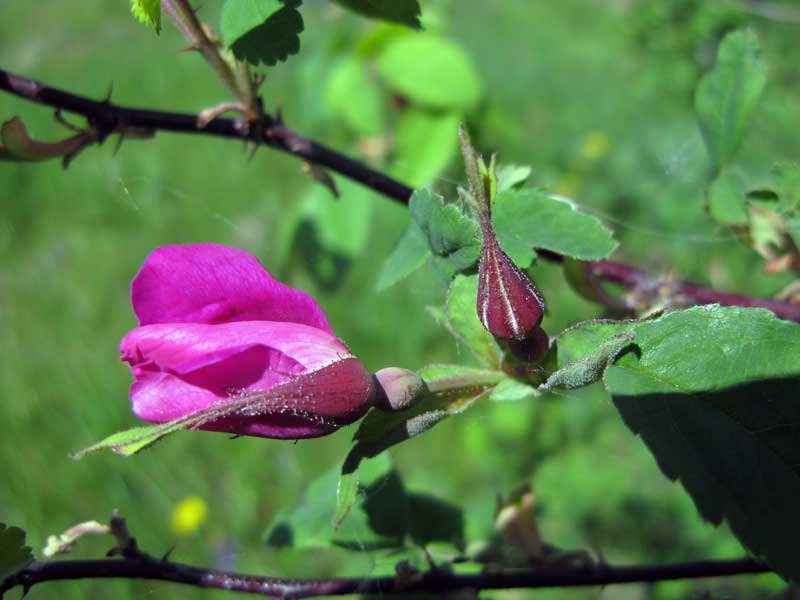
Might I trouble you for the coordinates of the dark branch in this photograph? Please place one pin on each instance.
(147, 567)
(107, 118)
(650, 289)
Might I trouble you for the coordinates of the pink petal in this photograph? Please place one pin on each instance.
(182, 368)
(208, 283)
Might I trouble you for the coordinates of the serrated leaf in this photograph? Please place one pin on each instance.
(408, 255)
(354, 98)
(529, 218)
(425, 143)
(405, 12)
(585, 371)
(726, 199)
(431, 71)
(727, 96)
(451, 390)
(262, 31)
(14, 554)
(463, 321)
(512, 176)
(148, 12)
(714, 396)
(451, 235)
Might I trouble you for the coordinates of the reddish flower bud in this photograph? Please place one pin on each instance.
(532, 347)
(509, 305)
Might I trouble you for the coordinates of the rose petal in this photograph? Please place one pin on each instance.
(182, 368)
(208, 283)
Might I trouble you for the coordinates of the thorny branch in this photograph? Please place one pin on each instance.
(106, 118)
(144, 566)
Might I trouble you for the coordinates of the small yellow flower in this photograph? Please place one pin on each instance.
(188, 515)
(595, 145)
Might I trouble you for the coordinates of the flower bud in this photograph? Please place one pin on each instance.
(509, 305)
(398, 389)
(532, 347)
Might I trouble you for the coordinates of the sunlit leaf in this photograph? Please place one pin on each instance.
(528, 218)
(512, 176)
(462, 318)
(148, 12)
(425, 143)
(354, 98)
(726, 97)
(408, 255)
(713, 393)
(431, 71)
(451, 235)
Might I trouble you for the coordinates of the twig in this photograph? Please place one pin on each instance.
(147, 567)
(109, 118)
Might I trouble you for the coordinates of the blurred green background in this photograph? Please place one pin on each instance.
(595, 95)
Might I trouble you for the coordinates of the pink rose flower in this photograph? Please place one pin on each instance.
(214, 324)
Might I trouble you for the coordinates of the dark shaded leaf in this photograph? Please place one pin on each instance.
(262, 31)
(405, 12)
(714, 396)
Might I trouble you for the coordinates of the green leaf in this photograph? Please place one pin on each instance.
(128, 442)
(148, 12)
(405, 12)
(353, 97)
(793, 226)
(511, 176)
(262, 30)
(726, 199)
(451, 235)
(788, 175)
(408, 255)
(585, 371)
(309, 523)
(341, 227)
(714, 396)
(512, 390)
(529, 218)
(14, 554)
(430, 70)
(581, 340)
(464, 324)
(451, 390)
(384, 514)
(727, 96)
(425, 143)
